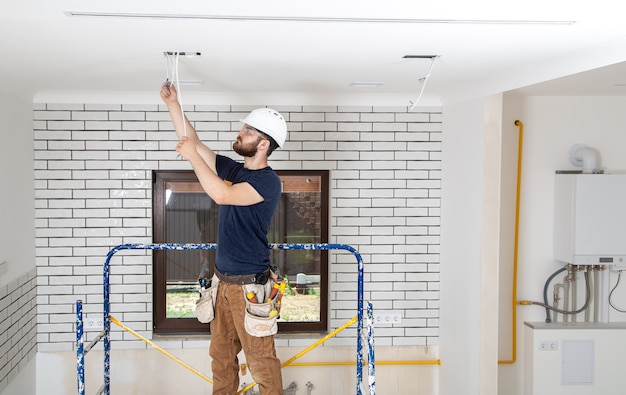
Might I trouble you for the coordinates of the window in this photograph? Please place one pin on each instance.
(184, 213)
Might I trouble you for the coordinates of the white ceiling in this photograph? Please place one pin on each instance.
(315, 48)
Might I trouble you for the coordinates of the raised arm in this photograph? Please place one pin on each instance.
(240, 194)
(202, 158)
(182, 126)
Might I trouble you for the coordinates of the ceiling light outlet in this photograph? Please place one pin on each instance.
(181, 53)
(191, 82)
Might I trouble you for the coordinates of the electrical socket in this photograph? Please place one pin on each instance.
(93, 323)
(387, 318)
(549, 345)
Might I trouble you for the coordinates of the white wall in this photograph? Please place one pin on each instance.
(133, 372)
(23, 382)
(17, 242)
(461, 224)
(490, 244)
(551, 126)
(16, 189)
(93, 184)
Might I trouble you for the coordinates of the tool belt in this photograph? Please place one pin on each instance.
(243, 279)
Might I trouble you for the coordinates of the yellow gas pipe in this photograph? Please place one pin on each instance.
(515, 302)
(286, 363)
(289, 362)
(378, 363)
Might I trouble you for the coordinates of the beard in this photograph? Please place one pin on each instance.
(248, 150)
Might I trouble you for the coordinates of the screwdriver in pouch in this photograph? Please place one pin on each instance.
(252, 297)
(281, 291)
(273, 292)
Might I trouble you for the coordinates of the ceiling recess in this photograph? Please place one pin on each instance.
(420, 56)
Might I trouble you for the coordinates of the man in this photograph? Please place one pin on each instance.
(248, 194)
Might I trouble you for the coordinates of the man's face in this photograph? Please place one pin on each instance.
(247, 141)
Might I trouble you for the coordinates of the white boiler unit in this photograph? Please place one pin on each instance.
(590, 219)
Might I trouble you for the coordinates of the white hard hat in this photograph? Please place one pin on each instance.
(269, 122)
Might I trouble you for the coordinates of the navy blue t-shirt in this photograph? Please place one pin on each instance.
(242, 230)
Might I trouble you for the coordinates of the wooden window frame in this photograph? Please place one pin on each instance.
(178, 326)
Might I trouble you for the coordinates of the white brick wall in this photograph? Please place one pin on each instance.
(93, 191)
(18, 326)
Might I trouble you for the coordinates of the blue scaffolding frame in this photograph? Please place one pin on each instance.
(105, 334)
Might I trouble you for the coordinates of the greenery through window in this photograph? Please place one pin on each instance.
(184, 213)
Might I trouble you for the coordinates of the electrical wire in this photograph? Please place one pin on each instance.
(172, 66)
(619, 276)
(423, 81)
(180, 97)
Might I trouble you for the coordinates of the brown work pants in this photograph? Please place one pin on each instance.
(229, 337)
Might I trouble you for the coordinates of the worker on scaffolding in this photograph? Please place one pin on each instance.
(248, 193)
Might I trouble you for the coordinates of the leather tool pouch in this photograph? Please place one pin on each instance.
(261, 318)
(205, 306)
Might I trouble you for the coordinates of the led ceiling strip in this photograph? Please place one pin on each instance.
(317, 19)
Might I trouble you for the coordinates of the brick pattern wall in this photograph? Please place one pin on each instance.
(93, 191)
(18, 326)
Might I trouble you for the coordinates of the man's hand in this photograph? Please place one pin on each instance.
(168, 93)
(186, 148)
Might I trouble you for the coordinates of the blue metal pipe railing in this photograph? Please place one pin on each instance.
(105, 334)
(80, 350)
